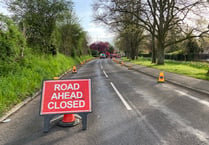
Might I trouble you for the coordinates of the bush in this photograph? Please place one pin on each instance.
(94, 53)
(145, 55)
(12, 41)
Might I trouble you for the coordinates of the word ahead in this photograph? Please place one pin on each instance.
(66, 96)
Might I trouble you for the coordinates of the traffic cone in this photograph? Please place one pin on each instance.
(56, 78)
(122, 63)
(161, 78)
(74, 69)
(68, 118)
(129, 67)
(81, 63)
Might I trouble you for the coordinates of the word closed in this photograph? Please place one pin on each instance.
(66, 96)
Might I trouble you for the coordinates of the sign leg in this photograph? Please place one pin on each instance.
(46, 123)
(47, 119)
(84, 121)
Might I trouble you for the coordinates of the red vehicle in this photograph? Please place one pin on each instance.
(115, 55)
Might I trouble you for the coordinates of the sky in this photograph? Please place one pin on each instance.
(84, 12)
(96, 32)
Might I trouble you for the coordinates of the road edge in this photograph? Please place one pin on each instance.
(171, 81)
(29, 99)
(26, 101)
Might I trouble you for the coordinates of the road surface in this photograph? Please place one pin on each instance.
(129, 108)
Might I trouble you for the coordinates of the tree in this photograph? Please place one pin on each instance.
(38, 19)
(192, 48)
(73, 39)
(111, 49)
(122, 23)
(174, 34)
(204, 43)
(71, 34)
(12, 42)
(130, 38)
(156, 17)
(101, 47)
(160, 17)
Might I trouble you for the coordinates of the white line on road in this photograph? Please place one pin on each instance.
(128, 107)
(182, 125)
(105, 74)
(153, 130)
(194, 98)
(101, 65)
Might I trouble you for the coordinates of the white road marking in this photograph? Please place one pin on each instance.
(152, 129)
(128, 107)
(105, 74)
(193, 98)
(182, 124)
(101, 65)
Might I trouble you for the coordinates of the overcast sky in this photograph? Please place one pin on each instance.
(84, 12)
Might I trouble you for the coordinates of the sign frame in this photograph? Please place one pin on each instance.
(42, 113)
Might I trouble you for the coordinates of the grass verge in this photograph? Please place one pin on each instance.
(193, 69)
(25, 78)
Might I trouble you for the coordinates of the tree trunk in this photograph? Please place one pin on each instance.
(132, 47)
(22, 51)
(24, 34)
(153, 50)
(132, 53)
(160, 54)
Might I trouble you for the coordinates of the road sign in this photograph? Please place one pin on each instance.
(66, 96)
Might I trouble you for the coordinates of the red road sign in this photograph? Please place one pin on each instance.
(66, 96)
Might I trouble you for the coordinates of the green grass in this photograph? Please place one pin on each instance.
(24, 79)
(194, 69)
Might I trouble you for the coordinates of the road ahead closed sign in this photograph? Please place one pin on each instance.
(66, 96)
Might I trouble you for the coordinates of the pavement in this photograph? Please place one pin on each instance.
(198, 85)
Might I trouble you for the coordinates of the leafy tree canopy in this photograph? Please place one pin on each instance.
(38, 20)
(12, 42)
(101, 47)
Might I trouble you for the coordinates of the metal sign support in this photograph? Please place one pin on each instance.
(48, 118)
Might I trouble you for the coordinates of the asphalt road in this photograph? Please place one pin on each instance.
(129, 108)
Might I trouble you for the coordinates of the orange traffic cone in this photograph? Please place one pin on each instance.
(74, 69)
(56, 78)
(68, 118)
(122, 63)
(81, 63)
(161, 78)
(129, 67)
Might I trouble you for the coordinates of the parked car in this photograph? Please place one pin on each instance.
(116, 55)
(102, 56)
